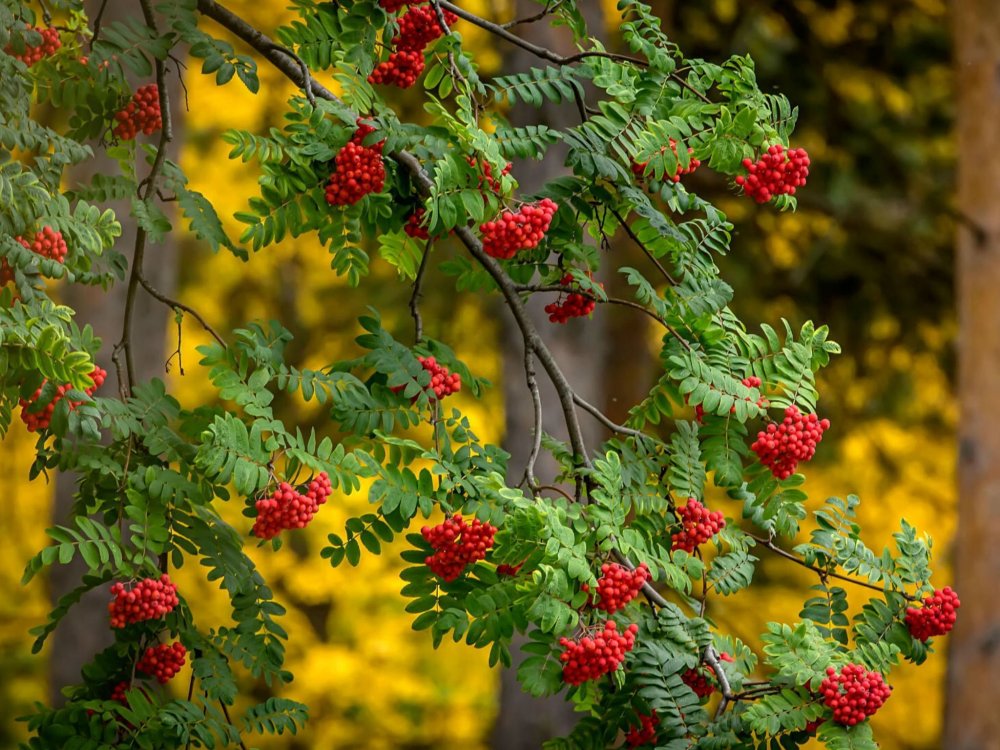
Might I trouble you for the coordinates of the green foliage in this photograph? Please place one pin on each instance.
(153, 472)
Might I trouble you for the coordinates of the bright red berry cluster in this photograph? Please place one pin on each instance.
(589, 658)
(149, 599)
(142, 114)
(358, 169)
(418, 27)
(118, 692)
(575, 305)
(162, 661)
(457, 544)
(520, 230)
(414, 226)
(698, 525)
(486, 173)
(936, 617)
(40, 420)
(391, 6)
(854, 694)
(618, 585)
(699, 681)
(645, 733)
(48, 243)
(777, 172)
(781, 446)
(639, 167)
(443, 383)
(33, 53)
(288, 509)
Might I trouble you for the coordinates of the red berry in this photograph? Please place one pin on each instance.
(777, 172)
(162, 661)
(590, 657)
(645, 733)
(936, 617)
(618, 585)
(40, 420)
(781, 446)
(141, 114)
(418, 27)
(443, 382)
(457, 544)
(486, 173)
(358, 171)
(509, 570)
(698, 525)
(149, 599)
(854, 693)
(287, 509)
(49, 45)
(414, 226)
(575, 305)
(514, 231)
(699, 681)
(639, 167)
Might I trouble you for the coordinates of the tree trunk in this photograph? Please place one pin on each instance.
(972, 721)
(85, 631)
(524, 722)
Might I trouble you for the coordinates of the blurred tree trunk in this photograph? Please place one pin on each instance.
(972, 721)
(583, 350)
(86, 631)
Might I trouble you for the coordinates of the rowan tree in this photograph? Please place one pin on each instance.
(609, 566)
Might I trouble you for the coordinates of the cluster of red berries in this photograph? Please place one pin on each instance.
(149, 599)
(781, 446)
(639, 167)
(391, 6)
(48, 243)
(750, 382)
(812, 726)
(162, 661)
(589, 658)
(509, 570)
(418, 27)
(414, 226)
(118, 693)
(40, 420)
(142, 114)
(701, 680)
(33, 53)
(618, 585)
(358, 170)
(936, 617)
(777, 172)
(457, 544)
(575, 305)
(486, 173)
(854, 694)
(698, 525)
(288, 509)
(443, 383)
(520, 230)
(645, 733)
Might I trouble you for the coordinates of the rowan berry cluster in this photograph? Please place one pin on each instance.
(141, 114)
(781, 446)
(418, 27)
(162, 661)
(575, 305)
(414, 226)
(698, 680)
(149, 599)
(486, 173)
(698, 525)
(639, 167)
(618, 585)
(443, 383)
(645, 733)
(40, 420)
(288, 509)
(34, 53)
(777, 172)
(118, 692)
(457, 544)
(520, 230)
(591, 657)
(358, 171)
(854, 694)
(391, 6)
(48, 243)
(936, 617)
(509, 570)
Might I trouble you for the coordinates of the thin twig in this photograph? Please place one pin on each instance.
(536, 401)
(646, 251)
(547, 10)
(306, 77)
(606, 421)
(97, 23)
(181, 306)
(418, 322)
(225, 712)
